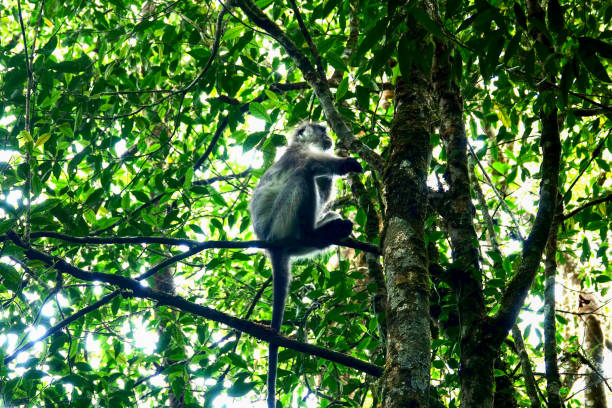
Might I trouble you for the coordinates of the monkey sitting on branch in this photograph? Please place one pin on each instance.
(289, 203)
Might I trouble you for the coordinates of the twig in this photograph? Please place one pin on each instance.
(28, 129)
(587, 205)
(311, 44)
(594, 155)
(498, 194)
(106, 299)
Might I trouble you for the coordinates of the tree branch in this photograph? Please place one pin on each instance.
(517, 289)
(137, 290)
(587, 205)
(52, 330)
(530, 383)
(319, 85)
(200, 246)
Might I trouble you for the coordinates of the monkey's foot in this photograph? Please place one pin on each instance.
(335, 229)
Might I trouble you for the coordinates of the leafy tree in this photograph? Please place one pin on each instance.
(133, 132)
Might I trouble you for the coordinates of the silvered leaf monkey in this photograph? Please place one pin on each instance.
(290, 203)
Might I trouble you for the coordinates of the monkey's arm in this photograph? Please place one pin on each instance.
(319, 164)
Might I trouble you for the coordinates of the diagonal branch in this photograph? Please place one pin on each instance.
(59, 326)
(516, 291)
(137, 290)
(319, 85)
(600, 200)
(311, 44)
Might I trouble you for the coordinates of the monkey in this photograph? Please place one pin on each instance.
(289, 202)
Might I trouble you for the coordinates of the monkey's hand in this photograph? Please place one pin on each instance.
(350, 165)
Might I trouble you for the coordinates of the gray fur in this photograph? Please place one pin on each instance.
(289, 203)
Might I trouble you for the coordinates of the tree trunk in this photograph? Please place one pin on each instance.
(407, 374)
(553, 380)
(595, 393)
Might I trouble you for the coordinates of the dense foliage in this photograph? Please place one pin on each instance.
(156, 119)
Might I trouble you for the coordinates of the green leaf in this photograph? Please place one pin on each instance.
(555, 16)
(74, 66)
(521, 18)
(423, 18)
(498, 373)
(252, 140)
(372, 37)
(592, 63)
(342, 89)
(593, 45)
(240, 388)
(259, 111)
(10, 276)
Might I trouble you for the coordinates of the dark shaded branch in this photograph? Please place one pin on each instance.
(114, 240)
(553, 379)
(581, 113)
(106, 299)
(319, 85)
(530, 382)
(200, 246)
(245, 326)
(587, 205)
(311, 44)
(221, 178)
(517, 289)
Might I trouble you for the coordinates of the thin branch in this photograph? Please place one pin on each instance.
(221, 178)
(319, 85)
(498, 194)
(28, 192)
(587, 205)
(137, 290)
(596, 152)
(311, 44)
(530, 382)
(115, 240)
(200, 246)
(106, 299)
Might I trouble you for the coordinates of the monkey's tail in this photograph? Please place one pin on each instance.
(281, 269)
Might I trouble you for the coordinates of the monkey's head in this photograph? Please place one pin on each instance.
(312, 134)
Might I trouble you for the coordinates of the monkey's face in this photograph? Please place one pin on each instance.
(314, 135)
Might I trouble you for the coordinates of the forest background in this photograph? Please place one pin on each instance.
(131, 136)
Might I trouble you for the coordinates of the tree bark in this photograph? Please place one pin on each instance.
(553, 380)
(406, 378)
(595, 393)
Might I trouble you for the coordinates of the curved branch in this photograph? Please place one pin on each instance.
(137, 290)
(319, 85)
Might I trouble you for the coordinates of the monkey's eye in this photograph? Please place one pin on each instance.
(327, 142)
